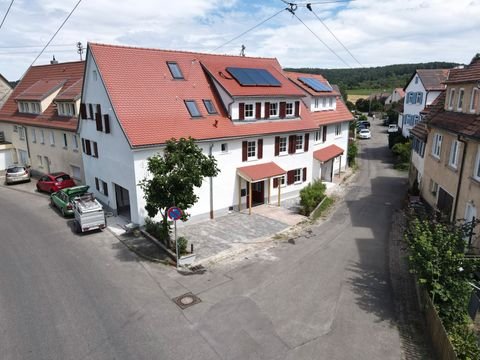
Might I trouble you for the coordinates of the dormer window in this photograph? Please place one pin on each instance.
(29, 107)
(192, 108)
(66, 109)
(273, 109)
(175, 70)
(289, 109)
(460, 99)
(209, 106)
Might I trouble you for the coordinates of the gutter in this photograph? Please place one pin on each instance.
(211, 185)
(460, 175)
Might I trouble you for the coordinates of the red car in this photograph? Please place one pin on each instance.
(55, 181)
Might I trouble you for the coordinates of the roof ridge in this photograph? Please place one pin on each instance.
(60, 63)
(179, 51)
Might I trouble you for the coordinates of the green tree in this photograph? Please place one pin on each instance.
(173, 177)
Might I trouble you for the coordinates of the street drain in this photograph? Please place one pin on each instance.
(186, 300)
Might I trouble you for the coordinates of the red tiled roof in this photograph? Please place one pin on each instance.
(293, 76)
(433, 79)
(327, 153)
(326, 117)
(469, 73)
(150, 104)
(40, 90)
(400, 92)
(420, 131)
(73, 92)
(69, 73)
(460, 123)
(216, 65)
(260, 171)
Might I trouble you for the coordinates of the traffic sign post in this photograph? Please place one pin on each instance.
(174, 213)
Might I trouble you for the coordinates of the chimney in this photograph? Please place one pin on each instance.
(53, 61)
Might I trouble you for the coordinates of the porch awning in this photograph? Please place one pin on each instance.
(259, 172)
(327, 153)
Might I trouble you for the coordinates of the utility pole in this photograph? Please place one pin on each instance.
(80, 50)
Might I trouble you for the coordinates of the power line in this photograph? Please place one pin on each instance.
(254, 27)
(5, 16)
(323, 42)
(304, 4)
(56, 32)
(309, 7)
(30, 46)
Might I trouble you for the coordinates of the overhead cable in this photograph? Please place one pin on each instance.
(5, 16)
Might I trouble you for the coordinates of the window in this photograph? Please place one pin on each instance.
(52, 138)
(209, 106)
(224, 147)
(297, 177)
(452, 161)
(76, 173)
(95, 149)
(418, 146)
(338, 130)
(34, 135)
(324, 102)
(460, 99)
(42, 137)
(95, 75)
(299, 143)
(330, 101)
(411, 98)
(65, 143)
(251, 150)
(450, 100)
(416, 79)
(75, 142)
(101, 186)
(192, 108)
(248, 111)
(416, 119)
(289, 110)
(437, 145)
(40, 160)
(316, 103)
(474, 100)
(21, 132)
(318, 136)
(283, 145)
(282, 180)
(433, 187)
(175, 70)
(273, 109)
(419, 99)
(476, 173)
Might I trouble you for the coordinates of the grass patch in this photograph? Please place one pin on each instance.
(365, 91)
(327, 203)
(402, 166)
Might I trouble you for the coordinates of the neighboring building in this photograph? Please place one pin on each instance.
(451, 180)
(332, 117)
(5, 90)
(243, 111)
(397, 95)
(422, 89)
(40, 120)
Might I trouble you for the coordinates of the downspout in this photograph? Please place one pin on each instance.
(460, 175)
(28, 146)
(211, 185)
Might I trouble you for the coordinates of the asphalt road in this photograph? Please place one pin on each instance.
(324, 295)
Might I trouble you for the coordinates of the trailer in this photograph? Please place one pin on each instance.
(89, 214)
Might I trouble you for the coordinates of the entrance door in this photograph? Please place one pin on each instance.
(444, 202)
(46, 163)
(327, 171)
(258, 194)
(23, 157)
(123, 202)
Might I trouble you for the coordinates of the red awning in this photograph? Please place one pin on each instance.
(327, 153)
(259, 172)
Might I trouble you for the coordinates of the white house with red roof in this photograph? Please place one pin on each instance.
(39, 120)
(397, 95)
(424, 86)
(244, 111)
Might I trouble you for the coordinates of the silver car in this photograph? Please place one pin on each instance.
(16, 174)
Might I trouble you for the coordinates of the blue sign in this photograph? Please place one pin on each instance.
(174, 213)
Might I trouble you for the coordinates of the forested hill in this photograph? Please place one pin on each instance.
(380, 77)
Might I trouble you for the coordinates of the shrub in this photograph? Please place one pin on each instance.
(182, 245)
(396, 138)
(352, 153)
(157, 230)
(464, 342)
(362, 117)
(311, 195)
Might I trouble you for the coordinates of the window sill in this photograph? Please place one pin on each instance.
(297, 182)
(52, 145)
(75, 150)
(475, 181)
(452, 168)
(251, 159)
(298, 151)
(224, 152)
(435, 158)
(64, 147)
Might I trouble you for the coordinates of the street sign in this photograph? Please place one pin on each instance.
(174, 213)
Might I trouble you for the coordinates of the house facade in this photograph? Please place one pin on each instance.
(40, 119)
(397, 95)
(423, 88)
(451, 181)
(243, 111)
(5, 90)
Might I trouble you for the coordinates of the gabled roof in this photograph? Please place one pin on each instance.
(150, 104)
(434, 108)
(400, 92)
(295, 76)
(7, 83)
(38, 81)
(470, 73)
(432, 79)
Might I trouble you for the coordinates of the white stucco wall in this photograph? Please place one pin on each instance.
(234, 108)
(320, 106)
(418, 162)
(412, 109)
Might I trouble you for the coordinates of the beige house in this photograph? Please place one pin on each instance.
(451, 179)
(5, 90)
(39, 120)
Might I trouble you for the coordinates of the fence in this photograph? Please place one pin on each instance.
(440, 342)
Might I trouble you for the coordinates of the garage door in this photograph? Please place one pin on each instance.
(5, 158)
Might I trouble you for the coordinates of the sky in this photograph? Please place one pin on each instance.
(371, 32)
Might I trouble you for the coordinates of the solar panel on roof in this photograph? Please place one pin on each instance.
(315, 84)
(253, 77)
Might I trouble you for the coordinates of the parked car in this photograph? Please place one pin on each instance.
(17, 174)
(365, 123)
(62, 199)
(55, 181)
(364, 134)
(89, 214)
(392, 128)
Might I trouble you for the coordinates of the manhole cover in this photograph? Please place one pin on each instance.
(186, 300)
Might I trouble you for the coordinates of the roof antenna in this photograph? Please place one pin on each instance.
(242, 52)
(80, 49)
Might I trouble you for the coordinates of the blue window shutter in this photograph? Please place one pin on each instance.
(408, 98)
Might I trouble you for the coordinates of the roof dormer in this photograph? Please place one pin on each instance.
(39, 96)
